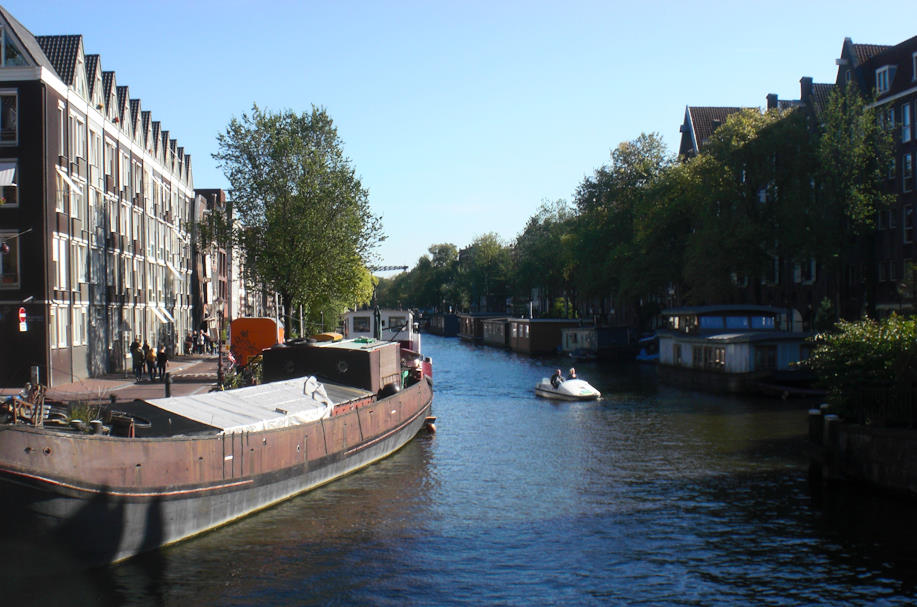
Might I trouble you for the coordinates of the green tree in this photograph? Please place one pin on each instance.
(305, 227)
(544, 252)
(484, 272)
(607, 204)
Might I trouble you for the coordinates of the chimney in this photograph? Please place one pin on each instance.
(805, 89)
(772, 101)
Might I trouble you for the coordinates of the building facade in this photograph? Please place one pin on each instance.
(889, 74)
(95, 203)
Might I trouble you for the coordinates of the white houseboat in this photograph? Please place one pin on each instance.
(734, 348)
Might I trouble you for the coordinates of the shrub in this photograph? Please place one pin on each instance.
(866, 357)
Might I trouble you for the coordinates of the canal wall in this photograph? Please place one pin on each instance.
(843, 451)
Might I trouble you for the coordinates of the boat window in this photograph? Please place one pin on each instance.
(736, 322)
(711, 322)
(396, 322)
(762, 322)
(361, 324)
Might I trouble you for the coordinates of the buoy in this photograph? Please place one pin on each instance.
(429, 424)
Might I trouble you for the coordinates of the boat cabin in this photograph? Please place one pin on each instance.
(384, 325)
(538, 335)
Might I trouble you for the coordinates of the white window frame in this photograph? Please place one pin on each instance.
(883, 79)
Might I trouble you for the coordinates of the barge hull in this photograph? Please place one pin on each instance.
(99, 523)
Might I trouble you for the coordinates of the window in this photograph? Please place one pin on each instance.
(804, 272)
(9, 180)
(79, 326)
(361, 324)
(884, 76)
(763, 322)
(772, 273)
(892, 218)
(907, 172)
(676, 354)
(11, 55)
(59, 255)
(9, 122)
(890, 123)
(906, 122)
(9, 262)
(908, 226)
(82, 263)
(77, 137)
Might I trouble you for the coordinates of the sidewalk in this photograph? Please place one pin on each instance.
(189, 374)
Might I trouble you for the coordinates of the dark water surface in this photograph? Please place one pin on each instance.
(651, 496)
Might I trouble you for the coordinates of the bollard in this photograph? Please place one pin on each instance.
(816, 426)
(167, 382)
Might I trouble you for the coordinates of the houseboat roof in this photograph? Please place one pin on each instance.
(722, 309)
(576, 321)
(734, 337)
(262, 407)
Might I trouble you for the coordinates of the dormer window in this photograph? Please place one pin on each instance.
(10, 55)
(884, 77)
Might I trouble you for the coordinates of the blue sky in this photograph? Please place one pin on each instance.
(461, 118)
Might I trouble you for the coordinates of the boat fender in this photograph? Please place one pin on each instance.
(389, 389)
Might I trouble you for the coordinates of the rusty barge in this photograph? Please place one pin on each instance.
(166, 469)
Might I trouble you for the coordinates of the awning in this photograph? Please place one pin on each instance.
(7, 173)
(158, 314)
(69, 181)
(167, 313)
(174, 270)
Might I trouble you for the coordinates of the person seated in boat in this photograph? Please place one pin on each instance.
(557, 378)
(572, 373)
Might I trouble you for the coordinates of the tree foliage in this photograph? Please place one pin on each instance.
(865, 357)
(304, 225)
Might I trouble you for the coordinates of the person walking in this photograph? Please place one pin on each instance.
(162, 359)
(150, 357)
(137, 358)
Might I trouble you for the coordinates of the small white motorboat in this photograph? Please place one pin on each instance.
(571, 389)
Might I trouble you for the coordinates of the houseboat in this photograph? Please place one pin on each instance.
(735, 348)
(617, 343)
(471, 326)
(538, 335)
(444, 324)
(153, 472)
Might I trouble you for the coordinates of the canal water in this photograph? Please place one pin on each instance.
(650, 496)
